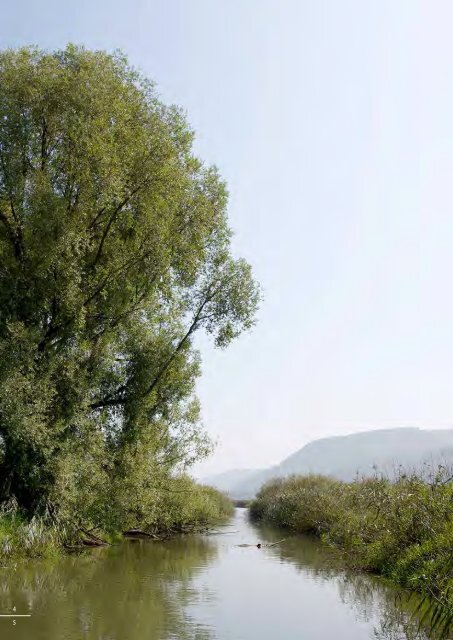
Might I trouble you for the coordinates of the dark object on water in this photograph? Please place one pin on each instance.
(260, 544)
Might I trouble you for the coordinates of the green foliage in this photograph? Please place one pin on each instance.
(179, 506)
(401, 529)
(188, 506)
(436, 607)
(114, 252)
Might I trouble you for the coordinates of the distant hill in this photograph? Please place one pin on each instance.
(345, 457)
(224, 481)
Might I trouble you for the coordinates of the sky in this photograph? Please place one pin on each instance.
(332, 123)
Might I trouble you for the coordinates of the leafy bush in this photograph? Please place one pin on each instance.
(183, 507)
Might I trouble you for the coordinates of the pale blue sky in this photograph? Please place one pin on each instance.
(333, 125)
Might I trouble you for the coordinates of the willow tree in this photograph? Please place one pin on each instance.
(114, 252)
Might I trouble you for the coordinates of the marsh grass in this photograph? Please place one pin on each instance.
(37, 537)
(184, 507)
(402, 529)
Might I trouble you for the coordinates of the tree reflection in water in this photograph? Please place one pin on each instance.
(134, 591)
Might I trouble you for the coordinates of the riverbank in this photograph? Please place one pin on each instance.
(402, 530)
(190, 508)
(214, 587)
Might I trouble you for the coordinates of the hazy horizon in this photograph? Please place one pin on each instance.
(333, 435)
(331, 123)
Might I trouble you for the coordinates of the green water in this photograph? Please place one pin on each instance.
(201, 588)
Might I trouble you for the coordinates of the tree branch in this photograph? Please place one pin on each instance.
(193, 326)
(15, 234)
(44, 143)
(112, 219)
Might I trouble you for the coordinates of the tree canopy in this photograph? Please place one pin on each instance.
(114, 252)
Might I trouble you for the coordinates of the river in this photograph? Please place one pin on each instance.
(201, 588)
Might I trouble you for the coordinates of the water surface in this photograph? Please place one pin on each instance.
(202, 588)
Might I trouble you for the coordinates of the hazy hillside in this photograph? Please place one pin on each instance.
(344, 457)
(224, 481)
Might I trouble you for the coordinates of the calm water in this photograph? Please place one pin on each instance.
(201, 588)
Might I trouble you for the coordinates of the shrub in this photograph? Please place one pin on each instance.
(401, 529)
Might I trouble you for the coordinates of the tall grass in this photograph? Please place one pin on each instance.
(37, 537)
(183, 506)
(401, 529)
